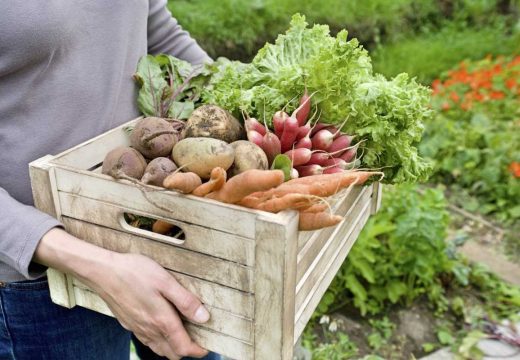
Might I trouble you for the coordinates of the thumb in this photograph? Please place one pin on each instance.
(185, 301)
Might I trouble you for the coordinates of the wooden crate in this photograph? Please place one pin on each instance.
(260, 278)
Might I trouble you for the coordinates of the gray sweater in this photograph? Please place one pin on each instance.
(66, 76)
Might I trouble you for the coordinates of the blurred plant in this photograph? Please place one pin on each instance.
(475, 138)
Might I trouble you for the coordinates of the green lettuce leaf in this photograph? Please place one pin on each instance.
(386, 115)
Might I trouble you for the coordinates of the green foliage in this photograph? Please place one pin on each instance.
(382, 331)
(400, 253)
(429, 53)
(386, 114)
(340, 348)
(474, 138)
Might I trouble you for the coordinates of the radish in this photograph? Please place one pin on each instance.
(279, 119)
(318, 158)
(322, 140)
(340, 143)
(309, 170)
(299, 156)
(290, 131)
(253, 124)
(304, 143)
(303, 131)
(349, 155)
(271, 146)
(255, 137)
(336, 162)
(333, 170)
(319, 126)
(294, 174)
(302, 112)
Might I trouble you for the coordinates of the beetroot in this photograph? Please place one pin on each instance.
(124, 161)
(157, 170)
(153, 137)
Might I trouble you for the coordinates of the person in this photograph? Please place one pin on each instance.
(66, 71)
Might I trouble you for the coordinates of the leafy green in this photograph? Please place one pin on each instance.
(386, 114)
(168, 87)
(282, 162)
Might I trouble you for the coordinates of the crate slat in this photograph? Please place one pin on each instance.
(92, 152)
(305, 237)
(312, 249)
(200, 239)
(188, 262)
(275, 282)
(172, 205)
(309, 296)
(220, 322)
(220, 343)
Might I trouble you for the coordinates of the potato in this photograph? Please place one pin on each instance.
(247, 156)
(214, 122)
(200, 155)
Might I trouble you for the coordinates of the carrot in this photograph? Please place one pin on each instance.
(288, 201)
(162, 227)
(248, 182)
(316, 208)
(318, 185)
(217, 179)
(182, 182)
(315, 221)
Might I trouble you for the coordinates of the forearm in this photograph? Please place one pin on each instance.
(62, 251)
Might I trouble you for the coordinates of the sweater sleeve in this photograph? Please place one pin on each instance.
(165, 35)
(21, 228)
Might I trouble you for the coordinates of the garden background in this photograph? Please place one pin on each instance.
(408, 286)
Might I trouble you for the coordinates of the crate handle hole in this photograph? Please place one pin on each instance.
(165, 231)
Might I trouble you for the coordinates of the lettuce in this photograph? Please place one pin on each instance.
(387, 115)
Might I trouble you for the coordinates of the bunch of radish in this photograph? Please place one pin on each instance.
(313, 149)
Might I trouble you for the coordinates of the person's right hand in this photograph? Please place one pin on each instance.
(142, 295)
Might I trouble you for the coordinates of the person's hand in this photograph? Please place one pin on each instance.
(142, 295)
(144, 298)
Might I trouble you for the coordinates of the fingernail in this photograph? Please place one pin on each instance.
(201, 315)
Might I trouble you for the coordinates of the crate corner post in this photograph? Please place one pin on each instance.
(43, 183)
(275, 286)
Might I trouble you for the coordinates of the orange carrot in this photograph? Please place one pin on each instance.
(315, 221)
(316, 208)
(248, 182)
(250, 201)
(319, 185)
(182, 182)
(217, 180)
(162, 227)
(289, 201)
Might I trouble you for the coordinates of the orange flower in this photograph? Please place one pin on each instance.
(514, 168)
(454, 96)
(496, 95)
(445, 106)
(510, 83)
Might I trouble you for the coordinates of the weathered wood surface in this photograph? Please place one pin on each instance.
(315, 246)
(220, 271)
(221, 344)
(345, 198)
(211, 339)
(198, 238)
(162, 204)
(377, 197)
(92, 152)
(311, 289)
(275, 282)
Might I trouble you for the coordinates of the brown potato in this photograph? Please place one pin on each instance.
(214, 122)
(247, 156)
(200, 155)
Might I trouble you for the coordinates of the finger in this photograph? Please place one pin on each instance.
(180, 341)
(187, 303)
(162, 348)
